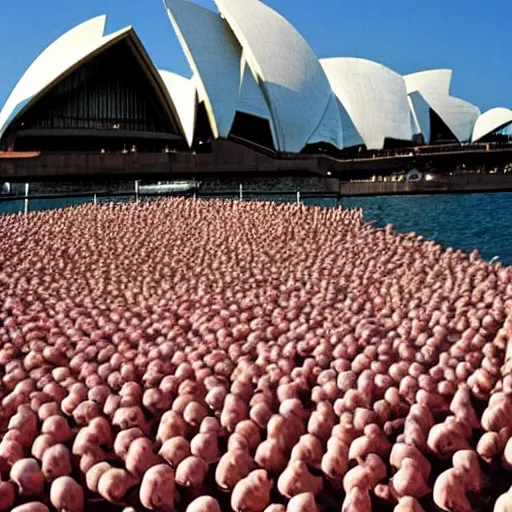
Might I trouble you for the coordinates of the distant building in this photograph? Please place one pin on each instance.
(255, 79)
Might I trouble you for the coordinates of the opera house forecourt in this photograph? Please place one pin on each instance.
(255, 79)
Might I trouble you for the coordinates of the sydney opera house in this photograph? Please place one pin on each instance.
(254, 78)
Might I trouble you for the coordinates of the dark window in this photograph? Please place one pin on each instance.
(203, 130)
(439, 131)
(502, 134)
(253, 129)
(111, 92)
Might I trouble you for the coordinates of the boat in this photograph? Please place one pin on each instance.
(163, 187)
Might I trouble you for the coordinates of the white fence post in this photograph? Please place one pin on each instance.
(25, 208)
(298, 197)
(136, 191)
(241, 193)
(95, 199)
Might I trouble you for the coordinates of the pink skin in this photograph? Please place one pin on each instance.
(297, 479)
(171, 425)
(101, 428)
(450, 492)
(504, 502)
(292, 406)
(26, 422)
(10, 453)
(204, 504)
(41, 444)
(309, 450)
(92, 455)
(252, 494)
(250, 431)
(374, 441)
(304, 502)
(85, 439)
(408, 480)
(27, 476)
(191, 472)
(85, 412)
(357, 500)
(211, 424)
(93, 476)
(129, 417)
(7, 496)
(33, 506)
(233, 466)
(408, 504)
(58, 427)
(155, 400)
(400, 331)
(99, 394)
(468, 461)
(157, 488)
(345, 432)
(401, 451)
(366, 475)
(383, 492)
(215, 398)
(206, 446)
(69, 403)
(56, 462)
(194, 413)
(446, 438)
(270, 456)
(114, 483)
(47, 410)
(335, 462)
(461, 407)
(175, 450)
(124, 440)
(140, 456)
(492, 444)
(234, 411)
(260, 414)
(498, 414)
(66, 495)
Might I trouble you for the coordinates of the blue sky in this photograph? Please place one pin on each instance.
(472, 37)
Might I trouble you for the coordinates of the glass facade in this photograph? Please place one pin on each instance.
(252, 128)
(111, 92)
(439, 131)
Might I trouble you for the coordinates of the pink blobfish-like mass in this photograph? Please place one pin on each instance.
(199, 356)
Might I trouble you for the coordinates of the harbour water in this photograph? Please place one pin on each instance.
(463, 221)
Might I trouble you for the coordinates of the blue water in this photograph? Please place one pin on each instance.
(462, 221)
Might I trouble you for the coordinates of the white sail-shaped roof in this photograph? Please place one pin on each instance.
(374, 97)
(436, 81)
(56, 59)
(330, 129)
(351, 137)
(294, 84)
(63, 56)
(214, 55)
(420, 111)
(184, 96)
(434, 86)
(459, 115)
(251, 99)
(491, 121)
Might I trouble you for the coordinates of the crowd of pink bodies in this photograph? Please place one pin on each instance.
(158, 356)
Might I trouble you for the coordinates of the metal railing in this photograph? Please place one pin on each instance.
(26, 199)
